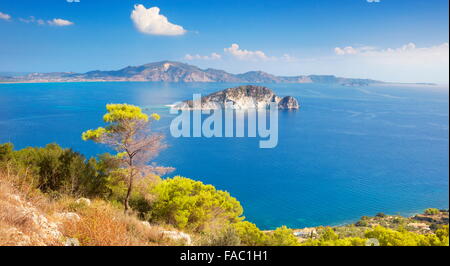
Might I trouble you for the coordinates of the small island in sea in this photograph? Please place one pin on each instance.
(241, 97)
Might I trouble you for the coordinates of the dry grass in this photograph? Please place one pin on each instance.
(101, 223)
(19, 218)
(98, 227)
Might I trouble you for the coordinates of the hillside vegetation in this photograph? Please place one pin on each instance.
(40, 191)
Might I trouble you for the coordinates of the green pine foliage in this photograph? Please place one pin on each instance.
(188, 204)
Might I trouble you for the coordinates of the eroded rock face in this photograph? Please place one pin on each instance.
(34, 227)
(242, 97)
(288, 102)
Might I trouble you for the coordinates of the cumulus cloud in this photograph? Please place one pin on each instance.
(149, 21)
(345, 50)
(241, 54)
(59, 22)
(235, 52)
(4, 16)
(213, 56)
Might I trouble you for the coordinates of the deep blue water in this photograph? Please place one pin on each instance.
(348, 152)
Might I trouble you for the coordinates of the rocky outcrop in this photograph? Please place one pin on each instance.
(22, 224)
(441, 218)
(288, 102)
(177, 237)
(83, 201)
(242, 97)
(67, 216)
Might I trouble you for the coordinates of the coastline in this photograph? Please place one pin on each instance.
(380, 84)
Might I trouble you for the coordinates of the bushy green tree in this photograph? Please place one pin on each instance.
(390, 237)
(250, 234)
(192, 205)
(55, 169)
(329, 237)
(6, 151)
(442, 234)
(329, 234)
(282, 236)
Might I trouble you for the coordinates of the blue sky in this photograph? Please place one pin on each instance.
(393, 40)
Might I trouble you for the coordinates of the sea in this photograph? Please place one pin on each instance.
(347, 152)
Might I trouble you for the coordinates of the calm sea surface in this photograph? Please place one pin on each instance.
(349, 152)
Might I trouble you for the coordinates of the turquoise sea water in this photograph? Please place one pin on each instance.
(349, 151)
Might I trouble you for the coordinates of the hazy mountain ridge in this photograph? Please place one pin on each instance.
(170, 71)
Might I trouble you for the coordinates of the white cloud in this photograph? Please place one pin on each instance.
(4, 16)
(240, 54)
(149, 21)
(244, 55)
(406, 53)
(31, 19)
(408, 62)
(58, 22)
(54, 22)
(213, 56)
(345, 50)
(373, 1)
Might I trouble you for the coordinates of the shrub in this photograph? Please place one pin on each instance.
(98, 228)
(398, 220)
(390, 237)
(442, 234)
(56, 171)
(225, 237)
(348, 241)
(188, 204)
(380, 215)
(282, 236)
(362, 223)
(6, 151)
(431, 211)
(329, 237)
(250, 234)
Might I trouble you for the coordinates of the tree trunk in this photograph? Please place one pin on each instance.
(130, 187)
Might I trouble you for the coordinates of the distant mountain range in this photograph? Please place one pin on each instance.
(170, 71)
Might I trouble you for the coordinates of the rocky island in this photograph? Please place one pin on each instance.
(242, 97)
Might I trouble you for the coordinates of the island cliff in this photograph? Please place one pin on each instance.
(242, 97)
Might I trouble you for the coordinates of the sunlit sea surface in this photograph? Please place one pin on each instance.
(349, 151)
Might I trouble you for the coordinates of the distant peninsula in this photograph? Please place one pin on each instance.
(170, 71)
(242, 97)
